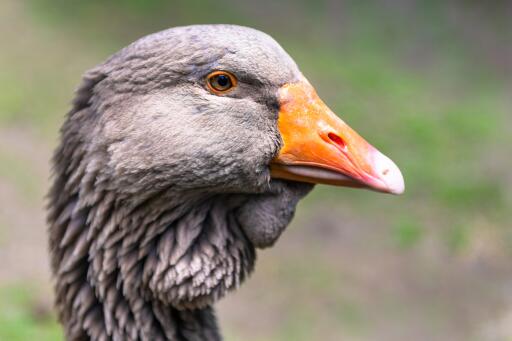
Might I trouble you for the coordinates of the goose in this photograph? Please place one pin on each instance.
(182, 154)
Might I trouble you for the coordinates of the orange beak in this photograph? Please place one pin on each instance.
(318, 147)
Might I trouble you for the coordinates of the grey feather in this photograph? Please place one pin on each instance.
(161, 190)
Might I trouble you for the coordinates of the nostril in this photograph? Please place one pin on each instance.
(385, 172)
(337, 140)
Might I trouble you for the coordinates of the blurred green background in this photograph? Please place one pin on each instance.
(427, 82)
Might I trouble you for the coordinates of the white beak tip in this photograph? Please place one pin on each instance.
(389, 173)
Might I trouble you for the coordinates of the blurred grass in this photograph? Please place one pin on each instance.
(413, 79)
(19, 173)
(21, 318)
(407, 233)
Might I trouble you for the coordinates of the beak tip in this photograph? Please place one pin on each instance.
(389, 173)
(398, 189)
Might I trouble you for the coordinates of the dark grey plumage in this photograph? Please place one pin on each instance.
(162, 190)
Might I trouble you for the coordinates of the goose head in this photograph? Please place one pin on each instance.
(182, 153)
(225, 108)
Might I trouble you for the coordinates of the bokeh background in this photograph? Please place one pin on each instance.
(427, 82)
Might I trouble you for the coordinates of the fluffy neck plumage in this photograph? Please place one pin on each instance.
(148, 270)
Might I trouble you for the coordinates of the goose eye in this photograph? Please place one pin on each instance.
(220, 82)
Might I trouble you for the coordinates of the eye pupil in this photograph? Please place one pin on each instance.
(223, 80)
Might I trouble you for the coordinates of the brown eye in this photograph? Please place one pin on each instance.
(220, 82)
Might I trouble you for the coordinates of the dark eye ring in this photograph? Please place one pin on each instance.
(220, 82)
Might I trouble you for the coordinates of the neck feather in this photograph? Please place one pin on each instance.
(146, 269)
